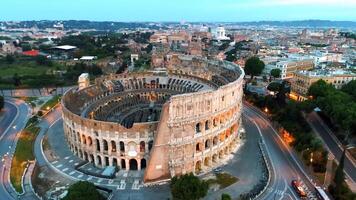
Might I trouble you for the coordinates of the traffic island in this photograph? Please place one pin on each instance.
(22, 156)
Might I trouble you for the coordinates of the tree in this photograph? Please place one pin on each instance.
(189, 187)
(17, 80)
(2, 102)
(319, 89)
(254, 66)
(83, 190)
(225, 197)
(274, 86)
(276, 73)
(350, 88)
(42, 60)
(10, 59)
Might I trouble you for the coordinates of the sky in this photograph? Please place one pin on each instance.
(178, 10)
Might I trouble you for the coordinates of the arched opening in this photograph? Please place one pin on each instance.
(91, 158)
(132, 149)
(221, 154)
(114, 162)
(206, 125)
(142, 146)
(78, 137)
(215, 158)
(207, 144)
(150, 145)
(122, 146)
(97, 144)
(99, 160)
(207, 161)
(215, 140)
(106, 146)
(197, 128)
(84, 139)
(198, 147)
(113, 146)
(123, 164)
(198, 167)
(90, 141)
(86, 156)
(143, 163)
(222, 137)
(106, 161)
(133, 164)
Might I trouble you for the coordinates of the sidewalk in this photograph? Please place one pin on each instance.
(29, 192)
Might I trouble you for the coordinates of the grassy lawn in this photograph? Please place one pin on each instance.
(22, 69)
(223, 179)
(23, 153)
(51, 103)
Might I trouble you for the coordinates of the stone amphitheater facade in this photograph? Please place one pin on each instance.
(180, 119)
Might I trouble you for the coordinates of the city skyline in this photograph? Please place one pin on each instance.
(184, 10)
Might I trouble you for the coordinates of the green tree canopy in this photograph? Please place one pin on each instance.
(276, 73)
(189, 187)
(319, 89)
(274, 86)
(225, 197)
(10, 59)
(254, 66)
(83, 190)
(350, 88)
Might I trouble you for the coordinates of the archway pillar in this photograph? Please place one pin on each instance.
(127, 161)
(138, 165)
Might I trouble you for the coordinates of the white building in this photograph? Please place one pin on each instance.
(83, 81)
(220, 33)
(320, 57)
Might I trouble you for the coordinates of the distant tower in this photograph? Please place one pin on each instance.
(83, 81)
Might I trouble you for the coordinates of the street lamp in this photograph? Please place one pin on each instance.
(266, 110)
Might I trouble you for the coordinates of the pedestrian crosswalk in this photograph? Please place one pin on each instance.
(136, 185)
(127, 182)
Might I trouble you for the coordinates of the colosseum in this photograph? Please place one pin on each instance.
(168, 121)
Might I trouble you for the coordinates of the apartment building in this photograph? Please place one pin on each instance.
(302, 80)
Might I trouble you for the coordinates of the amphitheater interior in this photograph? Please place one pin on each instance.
(168, 121)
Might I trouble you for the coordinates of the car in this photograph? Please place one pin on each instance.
(297, 186)
(217, 170)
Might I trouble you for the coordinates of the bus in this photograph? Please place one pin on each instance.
(321, 194)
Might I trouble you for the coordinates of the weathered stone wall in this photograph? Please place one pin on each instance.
(195, 132)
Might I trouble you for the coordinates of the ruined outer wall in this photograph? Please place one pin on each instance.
(195, 131)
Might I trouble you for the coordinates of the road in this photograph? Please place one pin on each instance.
(285, 164)
(13, 121)
(332, 144)
(34, 92)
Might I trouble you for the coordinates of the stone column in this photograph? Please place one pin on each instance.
(138, 164)
(127, 164)
(110, 161)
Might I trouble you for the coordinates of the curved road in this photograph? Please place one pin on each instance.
(285, 164)
(14, 118)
